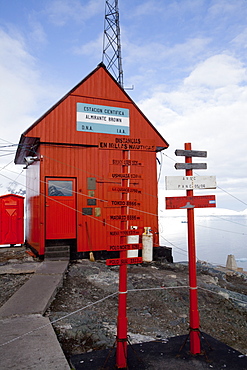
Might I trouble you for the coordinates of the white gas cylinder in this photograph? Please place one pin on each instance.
(147, 245)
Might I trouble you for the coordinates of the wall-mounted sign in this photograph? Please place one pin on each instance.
(102, 119)
(91, 202)
(87, 211)
(125, 189)
(190, 182)
(128, 144)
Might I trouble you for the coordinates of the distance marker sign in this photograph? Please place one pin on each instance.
(125, 232)
(123, 261)
(124, 189)
(124, 218)
(124, 247)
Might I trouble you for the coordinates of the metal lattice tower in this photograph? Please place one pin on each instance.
(111, 44)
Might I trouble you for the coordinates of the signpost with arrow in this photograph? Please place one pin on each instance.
(190, 202)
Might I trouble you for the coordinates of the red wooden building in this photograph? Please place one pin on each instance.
(74, 160)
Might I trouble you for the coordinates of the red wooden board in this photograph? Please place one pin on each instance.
(122, 203)
(123, 261)
(126, 162)
(124, 218)
(126, 232)
(190, 202)
(124, 189)
(124, 247)
(126, 176)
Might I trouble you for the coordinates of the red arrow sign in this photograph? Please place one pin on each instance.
(124, 189)
(124, 247)
(123, 261)
(190, 202)
(126, 232)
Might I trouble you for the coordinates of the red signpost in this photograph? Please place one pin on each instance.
(190, 202)
(122, 322)
(124, 218)
(195, 345)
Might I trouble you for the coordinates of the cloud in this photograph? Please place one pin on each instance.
(218, 71)
(23, 92)
(60, 12)
(37, 32)
(224, 8)
(157, 52)
(91, 48)
(146, 8)
(211, 114)
(23, 96)
(241, 39)
(18, 76)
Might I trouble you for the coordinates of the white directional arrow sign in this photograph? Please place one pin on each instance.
(190, 182)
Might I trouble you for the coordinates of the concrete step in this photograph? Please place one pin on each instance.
(56, 248)
(57, 253)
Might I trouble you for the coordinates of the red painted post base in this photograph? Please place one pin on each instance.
(195, 342)
(122, 321)
(121, 354)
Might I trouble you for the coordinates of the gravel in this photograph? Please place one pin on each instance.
(84, 310)
(152, 314)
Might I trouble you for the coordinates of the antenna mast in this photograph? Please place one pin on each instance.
(111, 45)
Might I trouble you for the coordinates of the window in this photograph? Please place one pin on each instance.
(60, 188)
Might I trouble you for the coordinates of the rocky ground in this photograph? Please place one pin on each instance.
(85, 309)
(10, 283)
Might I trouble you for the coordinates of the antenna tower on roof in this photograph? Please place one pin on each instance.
(111, 45)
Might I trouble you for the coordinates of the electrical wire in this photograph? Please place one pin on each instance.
(80, 169)
(233, 196)
(110, 296)
(132, 208)
(135, 209)
(65, 205)
(225, 231)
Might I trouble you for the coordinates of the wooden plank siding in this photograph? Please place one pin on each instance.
(67, 153)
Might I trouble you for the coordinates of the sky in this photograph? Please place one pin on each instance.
(184, 65)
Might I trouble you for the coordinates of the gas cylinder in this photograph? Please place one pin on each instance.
(147, 245)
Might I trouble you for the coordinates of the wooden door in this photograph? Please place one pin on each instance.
(60, 206)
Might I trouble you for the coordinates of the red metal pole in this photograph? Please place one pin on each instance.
(122, 322)
(195, 345)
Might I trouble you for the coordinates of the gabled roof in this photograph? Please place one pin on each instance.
(28, 145)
